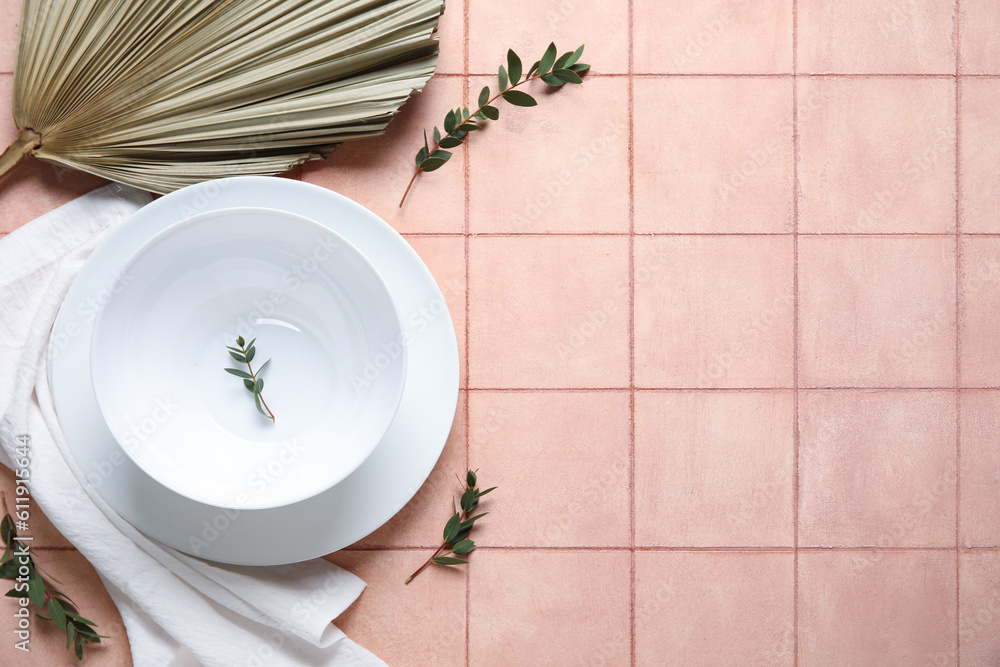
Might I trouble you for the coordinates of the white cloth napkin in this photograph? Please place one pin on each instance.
(178, 611)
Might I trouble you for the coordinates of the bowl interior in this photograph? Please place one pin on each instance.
(316, 307)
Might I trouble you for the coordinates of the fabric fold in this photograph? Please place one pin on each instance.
(178, 610)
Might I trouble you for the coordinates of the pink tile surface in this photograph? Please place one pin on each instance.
(528, 26)
(877, 468)
(422, 623)
(709, 170)
(714, 37)
(10, 19)
(713, 311)
(451, 33)
(520, 438)
(979, 608)
(877, 311)
(710, 608)
(713, 317)
(548, 312)
(980, 308)
(980, 50)
(980, 423)
(876, 155)
(714, 469)
(891, 37)
(980, 153)
(550, 608)
(886, 608)
(571, 173)
(375, 172)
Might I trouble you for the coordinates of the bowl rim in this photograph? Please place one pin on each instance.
(182, 224)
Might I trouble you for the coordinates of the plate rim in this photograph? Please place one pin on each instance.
(442, 343)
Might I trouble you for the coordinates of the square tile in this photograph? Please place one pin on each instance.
(980, 422)
(875, 609)
(421, 624)
(876, 155)
(877, 468)
(451, 36)
(528, 26)
(980, 153)
(548, 312)
(422, 519)
(707, 609)
(555, 170)
(980, 310)
(889, 37)
(980, 22)
(375, 171)
(48, 642)
(701, 168)
(979, 609)
(445, 257)
(561, 462)
(713, 37)
(877, 312)
(714, 469)
(713, 311)
(550, 608)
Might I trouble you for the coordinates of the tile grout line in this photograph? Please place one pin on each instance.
(468, 296)
(631, 332)
(958, 330)
(724, 389)
(658, 549)
(745, 75)
(710, 234)
(795, 334)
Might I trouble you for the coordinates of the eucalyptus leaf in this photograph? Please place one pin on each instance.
(519, 98)
(569, 76)
(452, 527)
(56, 613)
(448, 560)
(547, 60)
(464, 547)
(513, 67)
(238, 373)
(238, 357)
(450, 142)
(250, 354)
(491, 112)
(502, 78)
(249, 384)
(484, 96)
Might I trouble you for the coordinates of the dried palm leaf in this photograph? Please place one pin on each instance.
(165, 93)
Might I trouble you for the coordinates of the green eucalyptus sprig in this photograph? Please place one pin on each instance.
(61, 610)
(252, 381)
(456, 531)
(458, 123)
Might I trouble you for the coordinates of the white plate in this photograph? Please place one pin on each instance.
(187, 295)
(319, 525)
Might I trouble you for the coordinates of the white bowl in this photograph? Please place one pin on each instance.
(316, 307)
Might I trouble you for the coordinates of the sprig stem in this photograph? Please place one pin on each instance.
(244, 354)
(456, 531)
(437, 145)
